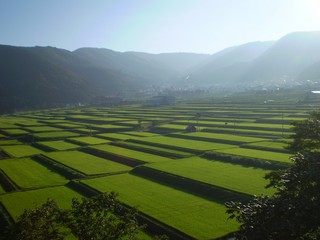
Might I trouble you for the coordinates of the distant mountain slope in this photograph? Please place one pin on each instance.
(311, 73)
(286, 58)
(179, 62)
(228, 64)
(145, 71)
(287, 61)
(27, 80)
(47, 76)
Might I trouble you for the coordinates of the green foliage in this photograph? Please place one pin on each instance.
(307, 134)
(40, 223)
(103, 217)
(294, 211)
(100, 217)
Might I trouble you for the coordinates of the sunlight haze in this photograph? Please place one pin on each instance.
(201, 26)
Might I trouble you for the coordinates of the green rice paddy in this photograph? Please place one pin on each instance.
(86, 163)
(94, 144)
(27, 173)
(199, 218)
(17, 151)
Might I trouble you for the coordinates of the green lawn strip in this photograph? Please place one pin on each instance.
(88, 118)
(86, 163)
(27, 173)
(267, 144)
(42, 129)
(16, 202)
(247, 132)
(5, 125)
(141, 134)
(21, 121)
(233, 124)
(17, 151)
(171, 127)
(116, 136)
(234, 177)
(143, 147)
(53, 121)
(110, 128)
(15, 131)
(9, 142)
(69, 125)
(184, 144)
(195, 216)
(252, 153)
(85, 131)
(265, 126)
(224, 119)
(89, 140)
(129, 123)
(59, 145)
(128, 153)
(219, 137)
(48, 135)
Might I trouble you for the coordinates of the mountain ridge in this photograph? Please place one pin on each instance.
(33, 77)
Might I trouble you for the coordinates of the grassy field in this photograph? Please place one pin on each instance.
(186, 144)
(17, 151)
(266, 155)
(15, 131)
(88, 140)
(16, 202)
(132, 154)
(9, 142)
(199, 218)
(151, 140)
(42, 129)
(226, 175)
(153, 149)
(86, 163)
(27, 173)
(59, 145)
(49, 135)
(271, 145)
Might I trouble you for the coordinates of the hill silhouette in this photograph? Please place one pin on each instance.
(35, 77)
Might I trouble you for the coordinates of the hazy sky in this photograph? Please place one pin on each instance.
(202, 26)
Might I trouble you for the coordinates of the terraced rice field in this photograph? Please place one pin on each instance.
(58, 145)
(16, 202)
(27, 173)
(183, 211)
(226, 175)
(86, 163)
(17, 151)
(145, 154)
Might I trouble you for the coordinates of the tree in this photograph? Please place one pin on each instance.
(100, 217)
(39, 223)
(306, 136)
(294, 211)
